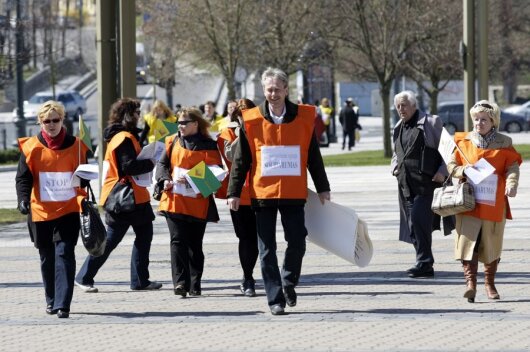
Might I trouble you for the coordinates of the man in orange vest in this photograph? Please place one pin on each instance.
(277, 146)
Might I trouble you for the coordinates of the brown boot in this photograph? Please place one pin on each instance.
(470, 273)
(489, 279)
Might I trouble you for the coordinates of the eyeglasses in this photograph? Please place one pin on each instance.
(47, 122)
(184, 122)
(487, 106)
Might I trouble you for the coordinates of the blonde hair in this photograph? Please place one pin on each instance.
(161, 110)
(195, 114)
(491, 109)
(48, 107)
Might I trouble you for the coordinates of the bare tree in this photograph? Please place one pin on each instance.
(375, 36)
(433, 61)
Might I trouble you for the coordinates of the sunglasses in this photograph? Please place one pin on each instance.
(47, 122)
(185, 122)
(487, 106)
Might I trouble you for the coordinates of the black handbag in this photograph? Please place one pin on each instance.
(121, 198)
(93, 232)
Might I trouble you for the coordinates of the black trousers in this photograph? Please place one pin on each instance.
(350, 135)
(419, 220)
(57, 258)
(292, 217)
(187, 257)
(244, 221)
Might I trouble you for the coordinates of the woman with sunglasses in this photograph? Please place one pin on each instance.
(186, 212)
(119, 165)
(44, 192)
(480, 231)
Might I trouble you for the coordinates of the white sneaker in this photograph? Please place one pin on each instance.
(86, 288)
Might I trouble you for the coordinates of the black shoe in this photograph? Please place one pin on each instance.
(61, 313)
(415, 267)
(290, 295)
(195, 292)
(50, 310)
(179, 290)
(422, 271)
(277, 309)
(248, 288)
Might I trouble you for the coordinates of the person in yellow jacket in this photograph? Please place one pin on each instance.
(327, 114)
(480, 232)
(153, 126)
(185, 211)
(217, 122)
(120, 165)
(44, 192)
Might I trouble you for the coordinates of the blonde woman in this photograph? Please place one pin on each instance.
(44, 193)
(480, 232)
(153, 126)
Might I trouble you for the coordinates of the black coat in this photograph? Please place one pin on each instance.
(348, 118)
(128, 165)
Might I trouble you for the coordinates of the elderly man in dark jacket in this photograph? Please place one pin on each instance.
(276, 147)
(419, 169)
(349, 119)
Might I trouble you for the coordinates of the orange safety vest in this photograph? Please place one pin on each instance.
(500, 159)
(186, 159)
(229, 135)
(41, 159)
(141, 195)
(260, 133)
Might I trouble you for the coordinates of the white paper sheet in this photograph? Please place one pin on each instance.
(446, 145)
(85, 171)
(479, 171)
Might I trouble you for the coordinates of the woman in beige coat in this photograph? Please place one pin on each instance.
(480, 231)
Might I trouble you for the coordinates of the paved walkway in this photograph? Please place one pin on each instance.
(341, 307)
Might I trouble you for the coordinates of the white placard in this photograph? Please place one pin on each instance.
(486, 191)
(55, 186)
(479, 171)
(281, 160)
(446, 146)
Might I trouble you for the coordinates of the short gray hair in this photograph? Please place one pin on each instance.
(272, 72)
(407, 95)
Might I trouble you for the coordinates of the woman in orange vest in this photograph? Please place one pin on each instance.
(244, 219)
(186, 212)
(120, 165)
(45, 194)
(480, 231)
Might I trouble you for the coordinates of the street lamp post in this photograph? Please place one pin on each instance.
(20, 121)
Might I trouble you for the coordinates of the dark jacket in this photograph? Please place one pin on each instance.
(348, 118)
(243, 160)
(128, 165)
(195, 142)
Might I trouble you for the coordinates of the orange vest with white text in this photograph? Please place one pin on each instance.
(187, 159)
(500, 159)
(261, 132)
(41, 159)
(141, 195)
(229, 135)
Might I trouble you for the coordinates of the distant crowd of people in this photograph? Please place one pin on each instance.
(250, 142)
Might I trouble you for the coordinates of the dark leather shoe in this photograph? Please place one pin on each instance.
(195, 293)
(50, 310)
(248, 288)
(290, 295)
(422, 271)
(277, 309)
(179, 290)
(415, 267)
(61, 313)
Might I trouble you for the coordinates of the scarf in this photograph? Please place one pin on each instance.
(483, 141)
(55, 142)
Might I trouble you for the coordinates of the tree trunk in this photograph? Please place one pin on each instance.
(385, 97)
(231, 88)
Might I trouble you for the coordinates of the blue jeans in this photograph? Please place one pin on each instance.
(295, 234)
(139, 256)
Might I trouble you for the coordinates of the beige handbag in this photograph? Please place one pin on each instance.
(453, 199)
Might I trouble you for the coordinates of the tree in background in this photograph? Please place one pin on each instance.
(435, 60)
